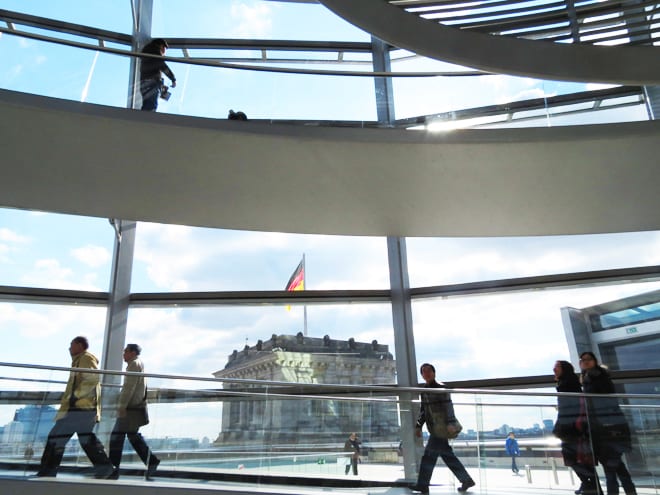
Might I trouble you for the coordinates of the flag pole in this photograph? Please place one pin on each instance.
(304, 306)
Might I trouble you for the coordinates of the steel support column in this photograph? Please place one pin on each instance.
(404, 347)
(142, 15)
(119, 294)
(383, 85)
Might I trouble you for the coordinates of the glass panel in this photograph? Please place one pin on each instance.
(504, 335)
(417, 96)
(439, 261)
(251, 19)
(179, 258)
(213, 341)
(113, 16)
(629, 316)
(257, 433)
(212, 92)
(55, 251)
(41, 333)
(59, 71)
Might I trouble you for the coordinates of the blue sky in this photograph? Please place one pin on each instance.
(474, 337)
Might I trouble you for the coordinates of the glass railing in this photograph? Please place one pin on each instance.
(322, 83)
(256, 432)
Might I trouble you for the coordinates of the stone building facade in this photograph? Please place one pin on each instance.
(303, 419)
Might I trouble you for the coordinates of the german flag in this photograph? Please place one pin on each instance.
(297, 280)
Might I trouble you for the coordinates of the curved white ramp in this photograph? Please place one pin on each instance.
(68, 157)
(636, 65)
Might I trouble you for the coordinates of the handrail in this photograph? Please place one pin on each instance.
(238, 66)
(381, 389)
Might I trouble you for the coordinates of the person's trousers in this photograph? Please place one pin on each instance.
(354, 463)
(82, 423)
(589, 482)
(150, 91)
(122, 430)
(615, 468)
(514, 466)
(439, 447)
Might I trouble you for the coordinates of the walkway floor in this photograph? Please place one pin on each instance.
(489, 481)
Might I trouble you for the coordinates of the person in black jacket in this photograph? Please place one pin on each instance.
(610, 433)
(151, 74)
(437, 446)
(352, 446)
(571, 428)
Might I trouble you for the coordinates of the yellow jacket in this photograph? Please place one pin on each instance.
(83, 390)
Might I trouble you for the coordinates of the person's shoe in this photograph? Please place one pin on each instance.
(46, 474)
(417, 488)
(106, 472)
(466, 486)
(114, 475)
(151, 470)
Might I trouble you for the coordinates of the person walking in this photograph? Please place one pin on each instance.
(151, 74)
(80, 410)
(438, 446)
(610, 433)
(131, 415)
(352, 446)
(571, 428)
(512, 450)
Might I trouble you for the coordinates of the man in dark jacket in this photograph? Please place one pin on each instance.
(151, 74)
(437, 446)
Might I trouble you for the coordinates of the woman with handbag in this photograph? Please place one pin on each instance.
(571, 429)
(610, 434)
(437, 411)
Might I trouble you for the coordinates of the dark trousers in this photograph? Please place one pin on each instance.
(120, 431)
(514, 466)
(354, 463)
(615, 468)
(82, 423)
(439, 447)
(150, 91)
(589, 482)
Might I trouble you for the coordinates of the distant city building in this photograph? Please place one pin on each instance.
(301, 359)
(13, 433)
(35, 420)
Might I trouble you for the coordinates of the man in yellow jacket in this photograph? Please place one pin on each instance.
(80, 410)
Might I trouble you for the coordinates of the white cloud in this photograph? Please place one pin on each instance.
(50, 273)
(40, 334)
(92, 256)
(253, 21)
(8, 235)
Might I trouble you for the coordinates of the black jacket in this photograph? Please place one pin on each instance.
(437, 402)
(606, 420)
(568, 408)
(153, 68)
